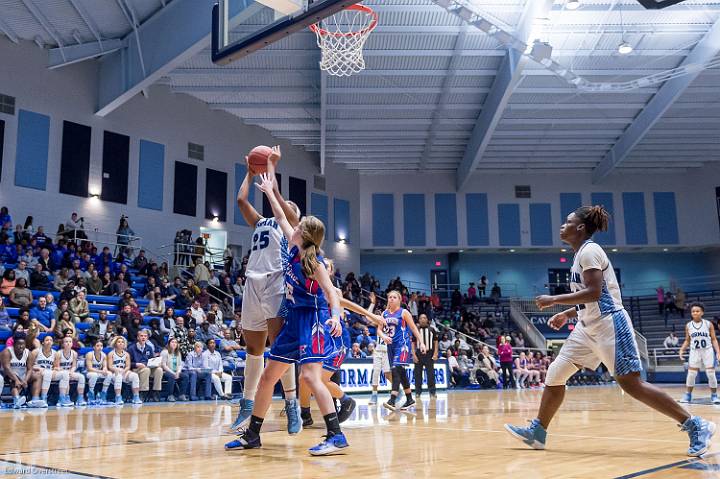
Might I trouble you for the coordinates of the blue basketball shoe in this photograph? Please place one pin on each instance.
(332, 444)
(246, 407)
(687, 398)
(248, 440)
(292, 411)
(534, 435)
(700, 432)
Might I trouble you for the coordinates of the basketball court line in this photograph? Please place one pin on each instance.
(46, 471)
(693, 460)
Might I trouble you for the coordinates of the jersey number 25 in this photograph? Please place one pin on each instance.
(261, 240)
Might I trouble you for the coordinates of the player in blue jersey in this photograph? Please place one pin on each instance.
(604, 333)
(399, 328)
(307, 335)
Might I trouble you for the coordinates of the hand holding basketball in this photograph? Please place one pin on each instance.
(275, 155)
(258, 158)
(266, 184)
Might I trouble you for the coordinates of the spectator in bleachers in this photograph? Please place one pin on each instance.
(197, 369)
(482, 285)
(68, 292)
(8, 282)
(39, 280)
(197, 313)
(104, 259)
(156, 306)
(203, 298)
(50, 303)
(174, 290)
(184, 300)
(64, 323)
(456, 299)
(238, 287)
(201, 273)
(8, 252)
(226, 286)
(485, 362)
(5, 218)
(215, 309)
(229, 351)
(672, 341)
(413, 305)
(193, 288)
(5, 321)
(356, 352)
(660, 299)
(61, 279)
(125, 235)
(236, 328)
(29, 258)
(226, 308)
(669, 303)
(43, 314)
(472, 294)
(99, 328)
(214, 362)
(40, 237)
(156, 336)
(141, 352)
(21, 271)
(63, 305)
(119, 286)
(445, 343)
(167, 323)
(149, 287)
(46, 261)
(203, 333)
(181, 333)
(172, 365)
(94, 283)
(454, 368)
(134, 326)
(107, 285)
(214, 327)
(80, 308)
(21, 295)
(140, 262)
(495, 293)
(74, 227)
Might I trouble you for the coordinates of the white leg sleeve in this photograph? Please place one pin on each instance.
(253, 370)
(690, 381)
(216, 384)
(288, 379)
(118, 381)
(92, 380)
(133, 379)
(559, 372)
(64, 380)
(377, 369)
(2, 382)
(108, 379)
(80, 378)
(712, 379)
(227, 380)
(47, 378)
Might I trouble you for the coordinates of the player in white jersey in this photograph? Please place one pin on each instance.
(118, 363)
(604, 333)
(262, 297)
(704, 349)
(17, 368)
(381, 362)
(66, 360)
(96, 368)
(44, 362)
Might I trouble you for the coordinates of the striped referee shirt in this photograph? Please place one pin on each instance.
(429, 336)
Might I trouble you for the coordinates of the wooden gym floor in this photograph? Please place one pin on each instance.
(599, 433)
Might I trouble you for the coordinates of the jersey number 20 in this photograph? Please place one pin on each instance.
(261, 240)
(700, 344)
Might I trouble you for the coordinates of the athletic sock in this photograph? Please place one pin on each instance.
(256, 424)
(290, 395)
(408, 396)
(304, 411)
(344, 398)
(392, 399)
(332, 423)
(35, 398)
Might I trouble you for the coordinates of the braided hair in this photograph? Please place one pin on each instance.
(595, 218)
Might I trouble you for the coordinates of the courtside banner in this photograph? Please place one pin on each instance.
(356, 376)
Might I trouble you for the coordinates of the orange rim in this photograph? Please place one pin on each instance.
(362, 8)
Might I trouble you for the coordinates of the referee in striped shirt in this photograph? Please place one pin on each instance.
(427, 360)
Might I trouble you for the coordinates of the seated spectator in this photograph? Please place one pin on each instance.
(203, 334)
(214, 329)
(149, 288)
(5, 218)
(453, 368)
(184, 300)
(21, 295)
(182, 334)
(141, 352)
(193, 288)
(167, 323)
(5, 322)
(156, 336)
(226, 309)
(156, 306)
(238, 287)
(8, 282)
(197, 369)
(43, 314)
(64, 323)
(445, 343)
(172, 365)
(226, 286)
(22, 272)
(229, 350)
(203, 298)
(539, 364)
(94, 283)
(80, 308)
(119, 286)
(236, 328)
(107, 285)
(134, 327)
(46, 261)
(140, 262)
(99, 328)
(68, 292)
(356, 352)
(198, 313)
(364, 339)
(671, 342)
(63, 305)
(39, 280)
(175, 289)
(214, 362)
(61, 279)
(215, 309)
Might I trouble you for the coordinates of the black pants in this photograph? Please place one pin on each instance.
(399, 377)
(508, 378)
(425, 361)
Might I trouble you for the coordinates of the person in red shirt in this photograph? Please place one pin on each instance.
(506, 362)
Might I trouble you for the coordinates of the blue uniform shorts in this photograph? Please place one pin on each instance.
(304, 338)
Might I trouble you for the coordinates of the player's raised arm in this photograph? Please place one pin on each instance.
(376, 320)
(289, 211)
(266, 186)
(249, 212)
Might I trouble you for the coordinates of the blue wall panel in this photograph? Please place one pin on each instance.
(33, 138)
(606, 200)
(341, 216)
(541, 227)
(476, 209)
(666, 218)
(414, 219)
(240, 172)
(509, 224)
(569, 202)
(319, 208)
(383, 224)
(446, 219)
(151, 175)
(635, 221)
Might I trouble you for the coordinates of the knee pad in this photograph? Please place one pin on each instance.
(134, 380)
(80, 378)
(108, 379)
(712, 379)
(47, 376)
(64, 379)
(92, 379)
(690, 380)
(287, 379)
(119, 380)
(559, 372)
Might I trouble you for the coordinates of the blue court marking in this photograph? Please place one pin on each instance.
(20, 469)
(686, 464)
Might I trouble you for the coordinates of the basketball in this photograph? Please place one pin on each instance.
(258, 158)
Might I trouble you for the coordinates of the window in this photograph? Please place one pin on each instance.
(7, 104)
(196, 152)
(522, 191)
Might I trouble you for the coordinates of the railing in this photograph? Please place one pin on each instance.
(467, 338)
(183, 254)
(658, 355)
(642, 348)
(527, 328)
(529, 306)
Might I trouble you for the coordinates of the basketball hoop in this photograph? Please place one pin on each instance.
(341, 38)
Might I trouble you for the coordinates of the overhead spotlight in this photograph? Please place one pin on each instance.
(665, 250)
(216, 219)
(614, 250)
(572, 4)
(512, 250)
(409, 251)
(625, 48)
(563, 250)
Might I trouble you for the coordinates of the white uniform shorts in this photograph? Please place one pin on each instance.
(702, 358)
(610, 340)
(381, 365)
(262, 298)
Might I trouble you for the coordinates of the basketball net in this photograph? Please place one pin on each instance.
(341, 38)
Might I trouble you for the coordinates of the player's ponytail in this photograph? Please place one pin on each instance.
(312, 234)
(595, 218)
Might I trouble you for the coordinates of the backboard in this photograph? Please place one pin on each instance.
(280, 19)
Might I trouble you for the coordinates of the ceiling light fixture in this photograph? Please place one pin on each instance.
(624, 48)
(572, 4)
